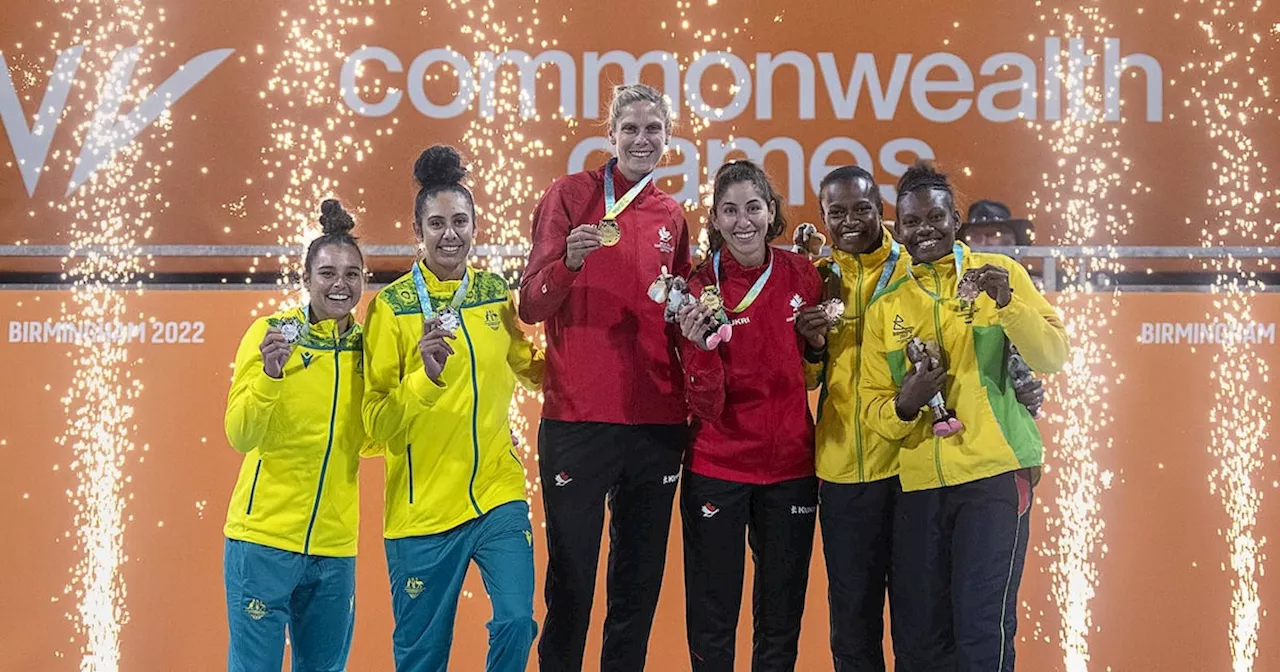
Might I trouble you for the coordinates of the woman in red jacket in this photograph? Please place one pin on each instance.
(751, 465)
(613, 419)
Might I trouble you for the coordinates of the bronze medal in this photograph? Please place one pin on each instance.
(610, 234)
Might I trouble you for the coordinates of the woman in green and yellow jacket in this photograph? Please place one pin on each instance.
(960, 534)
(294, 411)
(442, 360)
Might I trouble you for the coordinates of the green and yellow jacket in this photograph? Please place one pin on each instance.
(1000, 435)
(302, 438)
(449, 455)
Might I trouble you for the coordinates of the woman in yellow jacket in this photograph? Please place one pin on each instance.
(960, 534)
(442, 360)
(294, 411)
(858, 469)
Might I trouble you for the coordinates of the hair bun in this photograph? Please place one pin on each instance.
(334, 219)
(439, 166)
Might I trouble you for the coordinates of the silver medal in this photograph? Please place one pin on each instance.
(449, 320)
(292, 329)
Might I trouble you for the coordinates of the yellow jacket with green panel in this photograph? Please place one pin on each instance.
(999, 435)
(449, 455)
(846, 451)
(302, 437)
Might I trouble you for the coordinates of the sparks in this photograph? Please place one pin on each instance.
(1081, 192)
(1229, 93)
(314, 138)
(499, 146)
(108, 214)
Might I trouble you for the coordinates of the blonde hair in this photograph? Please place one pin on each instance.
(628, 94)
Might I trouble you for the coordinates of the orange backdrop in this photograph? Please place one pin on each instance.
(947, 81)
(1163, 599)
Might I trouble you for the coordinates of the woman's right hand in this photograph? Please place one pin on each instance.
(583, 240)
(275, 352)
(433, 348)
(695, 321)
(924, 380)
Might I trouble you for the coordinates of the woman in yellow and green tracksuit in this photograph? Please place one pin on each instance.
(858, 469)
(442, 358)
(960, 537)
(294, 411)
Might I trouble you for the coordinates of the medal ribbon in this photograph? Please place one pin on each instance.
(424, 299)
(752, 293)
(611, 208)
(958, 252)
(885, 275)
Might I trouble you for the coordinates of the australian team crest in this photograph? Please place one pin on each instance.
(292, 329)
(256, 609)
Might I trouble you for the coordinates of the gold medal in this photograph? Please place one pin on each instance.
(610, 234)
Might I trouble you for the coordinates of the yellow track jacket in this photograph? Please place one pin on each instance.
(846, 452)
(999, 435)
(449, 455)
(302, 438)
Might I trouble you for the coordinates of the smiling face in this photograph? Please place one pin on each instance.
(445, 232)
(335, 281)
(639, 137)
(742, 218)
(851, 211)
(927, 223)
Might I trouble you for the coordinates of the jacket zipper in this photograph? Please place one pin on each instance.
(937, 328)
(324, 466)
(475, 410)
(254, 488)
(409, 453)
(857, 371)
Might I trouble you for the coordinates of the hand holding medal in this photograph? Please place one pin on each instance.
(991, 279)
(589, 237)
(994, 280)
(433, 348)
(813, 323)
(582, 240)
(275, 349)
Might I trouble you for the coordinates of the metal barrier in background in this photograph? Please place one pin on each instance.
(1050, 256)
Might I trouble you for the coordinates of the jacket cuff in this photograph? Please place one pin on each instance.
(424, 389)
(898, 427)
(559, 276)
(699, 362)
(265, 388)
(1015, 311)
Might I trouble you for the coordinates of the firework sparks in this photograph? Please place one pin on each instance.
(1229, 92)
(699, 114)
(110, 48)
(1090, 169)
(500, 144)
(314, 137)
